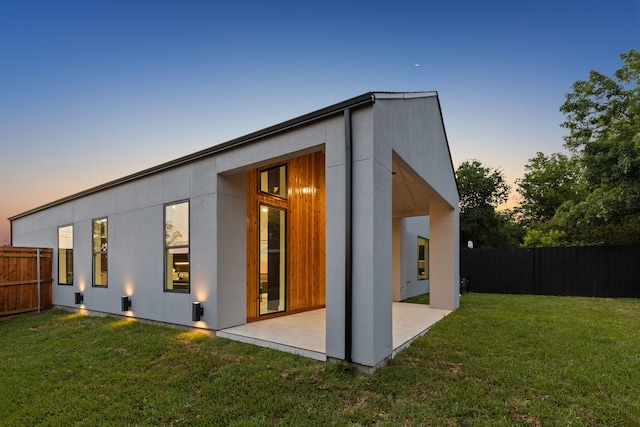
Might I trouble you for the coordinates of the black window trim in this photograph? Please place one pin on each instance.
(72, 248)
(93, 254)
(165, 247)
(426, 257)
(286, 178)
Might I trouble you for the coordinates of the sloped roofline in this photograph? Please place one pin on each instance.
(363, 100)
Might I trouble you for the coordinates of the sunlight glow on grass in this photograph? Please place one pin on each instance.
(121, 322)
(193, 335)
(72, 316)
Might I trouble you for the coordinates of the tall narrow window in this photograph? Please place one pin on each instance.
(65, 255)
(176, 247)
(272, 289)
(423, 258)
(100, 248)
(274, 181)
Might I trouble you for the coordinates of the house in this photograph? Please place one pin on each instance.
(347, 209)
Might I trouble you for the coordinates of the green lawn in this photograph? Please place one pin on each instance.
(498, 360)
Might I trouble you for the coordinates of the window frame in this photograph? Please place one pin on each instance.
(286, 181)
(424, 260)
(101, 253)
(66, 282)
(169, 247)
(285, 272)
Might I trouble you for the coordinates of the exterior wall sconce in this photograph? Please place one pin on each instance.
(79, 298)
(126, 303)
(197, 311)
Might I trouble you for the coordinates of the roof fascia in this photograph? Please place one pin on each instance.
(404, 95)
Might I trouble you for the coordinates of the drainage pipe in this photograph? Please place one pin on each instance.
(348, 282)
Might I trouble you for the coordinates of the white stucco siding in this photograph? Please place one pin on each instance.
(405, 257)
(335, 179)
(278, 147)
(372, 233)
(414, 129)
(229, 292)
(135, 262)
(135, 213)
(395, 131)
(204, 174)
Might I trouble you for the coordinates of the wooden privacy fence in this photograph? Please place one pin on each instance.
(595, 271)
(20, 289)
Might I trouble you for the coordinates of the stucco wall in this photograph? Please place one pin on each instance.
(405, 257)
(216, 188)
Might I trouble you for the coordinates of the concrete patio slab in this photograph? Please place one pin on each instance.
(305, 333)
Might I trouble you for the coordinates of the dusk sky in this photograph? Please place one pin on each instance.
(91, 91)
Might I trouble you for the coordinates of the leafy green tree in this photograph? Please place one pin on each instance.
(481, 190)
(548, 182)
(603, 119)
(510, 231)
(480, 186)
(538, 238)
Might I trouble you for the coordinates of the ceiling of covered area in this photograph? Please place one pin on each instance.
(410, 193)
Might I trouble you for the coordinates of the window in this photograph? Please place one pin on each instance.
(100, 252)
(274, 181)
(65, 255)
(423, 258)
(176, 247)
(272, 291)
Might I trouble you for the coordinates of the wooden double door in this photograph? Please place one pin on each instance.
(286, 237)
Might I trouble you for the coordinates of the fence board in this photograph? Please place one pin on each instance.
(18, 279)
(597, 271)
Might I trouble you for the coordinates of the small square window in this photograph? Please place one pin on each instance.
(274, 181)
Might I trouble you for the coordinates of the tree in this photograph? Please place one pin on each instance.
(547, 183)
(603, 119)
(481, 190)
(480, 186)
(537, 238)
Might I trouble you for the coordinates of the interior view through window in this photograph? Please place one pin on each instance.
(423, 258)
(100, 247)
(272, 232)
(65, 255)
(176, 242)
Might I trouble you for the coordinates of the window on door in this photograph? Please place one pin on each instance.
(272, 286)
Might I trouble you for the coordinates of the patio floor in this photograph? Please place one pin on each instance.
(305, 334)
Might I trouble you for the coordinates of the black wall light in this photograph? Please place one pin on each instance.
(197, 311)
(126, 303)
(79, 298)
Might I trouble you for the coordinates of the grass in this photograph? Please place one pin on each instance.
(498, 360)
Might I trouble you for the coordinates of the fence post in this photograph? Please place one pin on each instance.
(38, 267)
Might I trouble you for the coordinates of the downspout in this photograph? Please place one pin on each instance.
(348, 283)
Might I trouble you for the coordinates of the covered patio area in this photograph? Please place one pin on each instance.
(305, 333)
